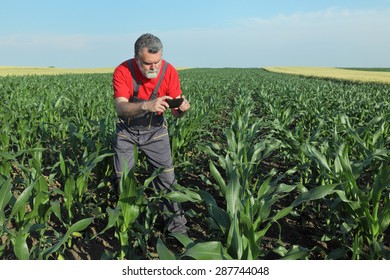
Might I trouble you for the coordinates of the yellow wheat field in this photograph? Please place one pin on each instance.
(335, 73)
(325, 72)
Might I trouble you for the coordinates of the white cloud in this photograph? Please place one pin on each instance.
(322, 38)
(331, 37)
(330, 15)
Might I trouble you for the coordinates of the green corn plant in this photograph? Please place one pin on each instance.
(239, 163)
(76, 183)
(254, 216)
(5, 198)
(362, 212)
(30, 210)
(131, 205)
(22, 221)
(55, 250)
(367, 209)
(249, 201)
(5, 157)
(90, 162)
(184, 133)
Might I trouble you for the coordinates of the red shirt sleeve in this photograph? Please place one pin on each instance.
(123, 85)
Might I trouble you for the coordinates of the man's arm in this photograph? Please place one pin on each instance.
(124, 108)
(127, 109)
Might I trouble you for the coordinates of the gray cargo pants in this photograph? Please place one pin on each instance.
(154, 142)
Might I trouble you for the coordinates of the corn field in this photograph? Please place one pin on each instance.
(268, 166)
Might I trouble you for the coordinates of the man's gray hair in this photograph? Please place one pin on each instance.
(149, 41)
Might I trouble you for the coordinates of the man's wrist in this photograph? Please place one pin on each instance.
(144, 106)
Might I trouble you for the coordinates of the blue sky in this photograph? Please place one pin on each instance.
(212, 33)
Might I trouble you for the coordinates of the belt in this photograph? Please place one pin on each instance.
(145, 121)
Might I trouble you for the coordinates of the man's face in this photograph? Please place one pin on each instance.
(150, 63)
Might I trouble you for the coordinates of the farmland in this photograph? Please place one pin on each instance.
(269, 166)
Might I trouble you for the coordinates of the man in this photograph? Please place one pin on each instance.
(143, 86)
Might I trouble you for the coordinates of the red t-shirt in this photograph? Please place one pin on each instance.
(123, 82)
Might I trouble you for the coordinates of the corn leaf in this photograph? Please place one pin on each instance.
(21, 249)
(163, 252)
(76, 227)
(211, 250)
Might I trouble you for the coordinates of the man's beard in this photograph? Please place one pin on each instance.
(151, 74)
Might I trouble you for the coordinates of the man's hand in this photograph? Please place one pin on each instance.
(156, 105)
(184, 107)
